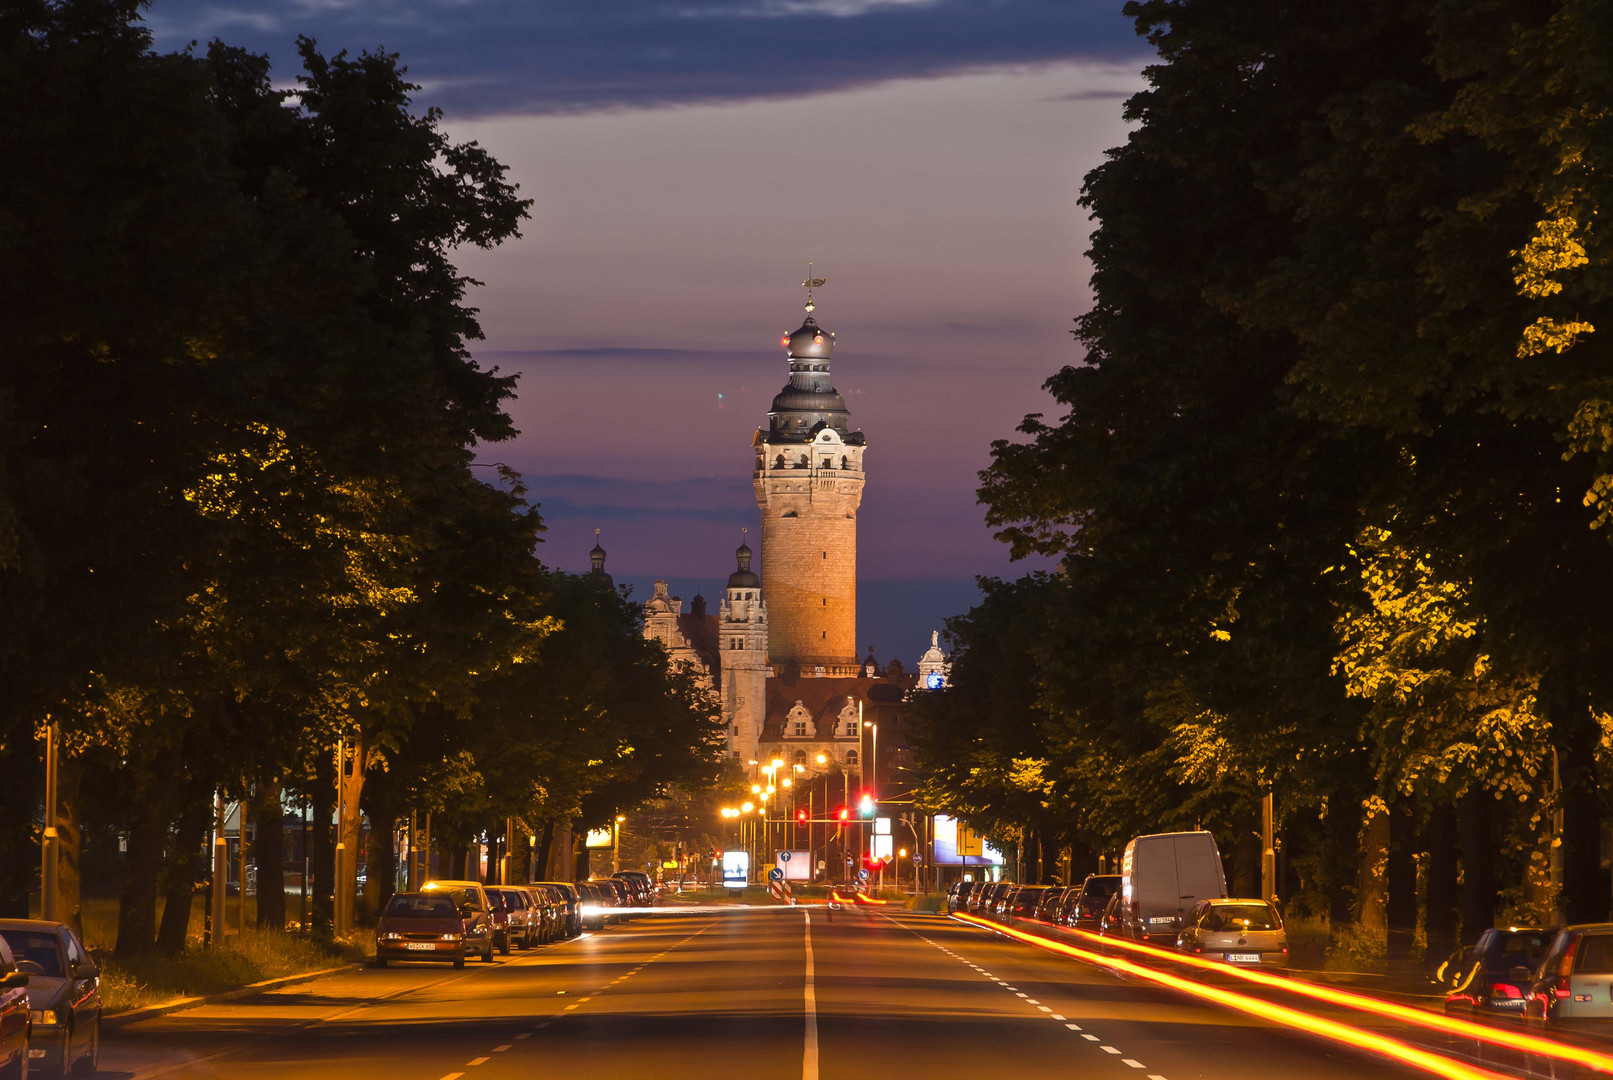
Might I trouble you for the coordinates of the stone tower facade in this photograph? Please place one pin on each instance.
(742, 646)
(808, 476)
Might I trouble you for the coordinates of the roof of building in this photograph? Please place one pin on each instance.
(700, 631)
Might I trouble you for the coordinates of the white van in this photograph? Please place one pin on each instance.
(1162, 878)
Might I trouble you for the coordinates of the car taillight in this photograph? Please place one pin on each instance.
(1507, 990)
(1561, 987)
(1285, 950)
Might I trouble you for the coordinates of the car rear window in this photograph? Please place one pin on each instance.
(421, 907)
(35, 945)
(1227, 917)
(1593, 957)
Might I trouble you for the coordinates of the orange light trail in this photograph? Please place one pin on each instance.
(1513, 1040)
(1360, 1039)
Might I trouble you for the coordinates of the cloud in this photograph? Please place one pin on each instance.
(1095, 94)
(492, 57)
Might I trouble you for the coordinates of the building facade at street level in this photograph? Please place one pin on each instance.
(781, 649)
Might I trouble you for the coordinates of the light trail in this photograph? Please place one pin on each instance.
(1309, 1023)
(1449, 1025)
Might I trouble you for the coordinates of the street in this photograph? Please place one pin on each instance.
(729, 994)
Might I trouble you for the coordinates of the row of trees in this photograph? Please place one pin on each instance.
(1327, 492)
(238, 514)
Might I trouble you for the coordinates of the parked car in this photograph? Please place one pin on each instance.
(1025, 902)
(993, 898)
(621, 896)
(1083, 907)
(1494, 973)
(1243, 932)
(1163, 877)
(13, 1017)
(1047, 907)
(523, 920)
(422, 926)
(642, 884)
(64, 996)
(596, 905)
(571, 922)
(958, 894)
(1112, 922)
(1575, 980)
(475, 911)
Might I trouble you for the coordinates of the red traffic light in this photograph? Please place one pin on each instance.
(801, 817)
(843, 814)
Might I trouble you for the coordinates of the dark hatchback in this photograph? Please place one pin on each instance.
(1493, 974)
(1085, 910)
(64, 995)
(1024, 903)
(420, 926)
(13, 1017)
(571, 922)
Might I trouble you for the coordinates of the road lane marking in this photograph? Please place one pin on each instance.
(1056, 1016)
(1134, 1064)
(1089, 1038)
(477, 1061)
(1108, 1050)
(1073, 1027)
(501, 1049)
(809, 1053)
(453, 1076)
(1044, 1008)
(524, 1035)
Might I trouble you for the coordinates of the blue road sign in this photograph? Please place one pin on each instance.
(863, 874)
(775, 874)
(784, 856)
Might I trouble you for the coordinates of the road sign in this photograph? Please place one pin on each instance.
(863, 874)
(775, 874)
(784, 856)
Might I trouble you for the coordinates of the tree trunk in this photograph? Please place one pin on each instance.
(1442, 846)
(268, 849)
(579, 852)
(1576, 735)
(179, 885)
(351, 827)
(1400, 908)
(381, 861)
(70, 829)
(1370, 889)
(137, 906)
(1478, 863)
(322, 849)
(1341, 846)
(545, 843)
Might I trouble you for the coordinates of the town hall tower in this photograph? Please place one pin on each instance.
(808, 476)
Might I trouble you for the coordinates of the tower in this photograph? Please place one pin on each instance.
(808, 478)
(742, 645)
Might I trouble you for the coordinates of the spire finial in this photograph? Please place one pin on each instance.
(812, 283)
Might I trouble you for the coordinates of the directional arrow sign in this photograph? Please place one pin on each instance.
(775, 874)
(784, 856)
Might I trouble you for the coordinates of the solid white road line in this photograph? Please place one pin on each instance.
(809, 1056)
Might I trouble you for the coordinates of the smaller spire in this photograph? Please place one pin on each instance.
(597, 555)
(812, 283)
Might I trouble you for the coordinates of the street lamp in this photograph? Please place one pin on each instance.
(822, 760)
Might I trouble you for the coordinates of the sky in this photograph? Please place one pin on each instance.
(686, 159)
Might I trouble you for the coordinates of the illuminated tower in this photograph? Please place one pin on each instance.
(809, 483)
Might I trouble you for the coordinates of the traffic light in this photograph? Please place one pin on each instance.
(843, 814)
(865, 805)
(801, 817)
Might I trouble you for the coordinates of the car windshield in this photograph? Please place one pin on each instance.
(465, 898)
(421, 906)
(37, 945)
(1240, 917)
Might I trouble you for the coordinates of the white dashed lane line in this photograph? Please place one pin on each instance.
(1028, 1000)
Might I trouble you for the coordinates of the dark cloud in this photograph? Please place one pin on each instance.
(1091, 95)
(483, 57)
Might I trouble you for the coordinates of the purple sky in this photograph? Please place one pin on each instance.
(686, 161)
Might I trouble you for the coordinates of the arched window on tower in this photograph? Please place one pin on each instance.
(843, 461)
(778, 462)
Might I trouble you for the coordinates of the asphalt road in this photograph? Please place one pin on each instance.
(730, 995)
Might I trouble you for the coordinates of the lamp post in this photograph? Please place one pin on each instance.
(49, 860)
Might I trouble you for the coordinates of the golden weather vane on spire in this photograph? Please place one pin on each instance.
(812, 283)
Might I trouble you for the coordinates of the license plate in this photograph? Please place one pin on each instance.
(1243, 958)
(420, 946)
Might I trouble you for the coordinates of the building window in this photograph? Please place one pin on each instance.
(825, 554)
(825, 601)
(801, 728)
(851, 757)
(800, 757)
(826, 635)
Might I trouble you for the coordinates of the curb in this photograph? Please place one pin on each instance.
(147, 1012)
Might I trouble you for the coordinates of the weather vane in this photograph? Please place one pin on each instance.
(812, 283)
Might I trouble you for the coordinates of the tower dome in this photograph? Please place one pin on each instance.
(743, 577)
(808, 399)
